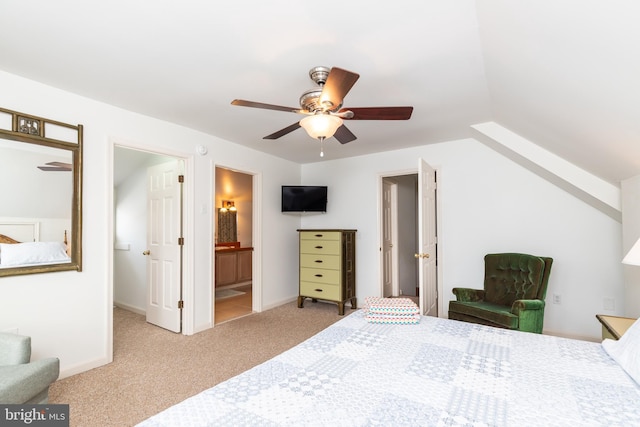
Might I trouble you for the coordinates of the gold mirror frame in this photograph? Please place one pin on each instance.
(35, 130)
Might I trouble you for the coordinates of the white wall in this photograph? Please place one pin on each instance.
(630, 234)
(130, 228)
(68, 314)
(487, 204)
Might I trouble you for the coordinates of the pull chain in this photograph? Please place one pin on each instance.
(321, 146)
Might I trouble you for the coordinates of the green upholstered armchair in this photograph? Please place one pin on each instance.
(23, 381)
(515, 286)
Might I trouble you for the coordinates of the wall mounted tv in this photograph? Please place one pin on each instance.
(304, 198)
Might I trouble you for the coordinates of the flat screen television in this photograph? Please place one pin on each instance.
(304, 198)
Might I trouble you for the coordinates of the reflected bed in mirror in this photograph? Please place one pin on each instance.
(41, 210)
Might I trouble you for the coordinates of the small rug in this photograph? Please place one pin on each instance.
(228, 293)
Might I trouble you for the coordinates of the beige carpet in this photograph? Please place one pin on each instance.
(154, 369)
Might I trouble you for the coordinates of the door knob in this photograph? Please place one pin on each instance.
(147, 252)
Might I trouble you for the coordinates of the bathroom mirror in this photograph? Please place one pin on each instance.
(227, 226)
(41, 209)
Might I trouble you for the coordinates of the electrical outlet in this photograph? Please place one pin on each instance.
(557, 299)
(609, 303)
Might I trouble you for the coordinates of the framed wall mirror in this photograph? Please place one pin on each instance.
(41, 208)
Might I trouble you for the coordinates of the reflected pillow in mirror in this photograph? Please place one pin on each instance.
(31, 253)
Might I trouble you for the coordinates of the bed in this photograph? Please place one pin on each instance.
(437, 372)
(14, 253)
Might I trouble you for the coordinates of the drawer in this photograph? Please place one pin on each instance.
(331, 262)
(320, 291)
(320, 235)
(331, 247)
(318, 275)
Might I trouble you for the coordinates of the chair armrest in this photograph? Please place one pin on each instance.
(14, 349)
(21, 383)
(468, 295)
(530, 314)
(526, 304)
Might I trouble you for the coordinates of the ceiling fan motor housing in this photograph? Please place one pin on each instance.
(310, 99)
(319, 75)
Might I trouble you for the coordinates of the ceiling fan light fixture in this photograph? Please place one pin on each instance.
(321, 125)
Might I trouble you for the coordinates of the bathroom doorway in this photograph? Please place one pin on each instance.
(233, 257)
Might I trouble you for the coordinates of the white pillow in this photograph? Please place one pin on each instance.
(626, 351)
(32, 253)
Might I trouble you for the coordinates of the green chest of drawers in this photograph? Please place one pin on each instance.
(328, 267)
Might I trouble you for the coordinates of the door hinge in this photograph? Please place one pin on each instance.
(181, 178)
(180, 304)
(180, 241)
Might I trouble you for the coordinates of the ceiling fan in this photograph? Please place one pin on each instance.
(323, 107)
(56, 167)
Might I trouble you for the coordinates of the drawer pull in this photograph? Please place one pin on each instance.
(318, 247)
(318, 290)
(318, 261)
(318, 275)
(319, 235)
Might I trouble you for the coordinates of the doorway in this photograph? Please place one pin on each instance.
(133, 280)
(233, 286)
(400, 235)
(408, 241)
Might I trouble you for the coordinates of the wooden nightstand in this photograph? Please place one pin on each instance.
(614, 326)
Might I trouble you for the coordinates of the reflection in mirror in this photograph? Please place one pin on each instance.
(227, 231)
(227, 222)
(40, 213)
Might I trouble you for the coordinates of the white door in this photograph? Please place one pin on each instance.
(388, 250)
(426, 256)
(163, 246)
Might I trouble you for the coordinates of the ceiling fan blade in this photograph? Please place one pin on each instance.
(338, 84)
(378, 113)
(59, 164)
(53, 169)
(283, 132)
(243, 103)
(344, 135)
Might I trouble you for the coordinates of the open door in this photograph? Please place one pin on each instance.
(164, 246)
(426, 256)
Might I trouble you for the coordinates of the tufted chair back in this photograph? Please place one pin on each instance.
(512, 276)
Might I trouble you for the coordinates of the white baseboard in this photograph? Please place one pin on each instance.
(279, 303)
(83, 367)
(132, 308)
(572, 336)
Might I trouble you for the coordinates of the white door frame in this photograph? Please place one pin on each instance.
(442, 300)
(188, 218)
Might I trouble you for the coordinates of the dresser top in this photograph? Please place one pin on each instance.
(324, 229)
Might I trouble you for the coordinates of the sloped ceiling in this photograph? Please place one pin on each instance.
(561, 73)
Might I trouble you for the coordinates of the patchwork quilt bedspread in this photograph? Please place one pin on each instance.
(437, 372)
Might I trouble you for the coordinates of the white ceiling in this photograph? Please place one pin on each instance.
(564, 74)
